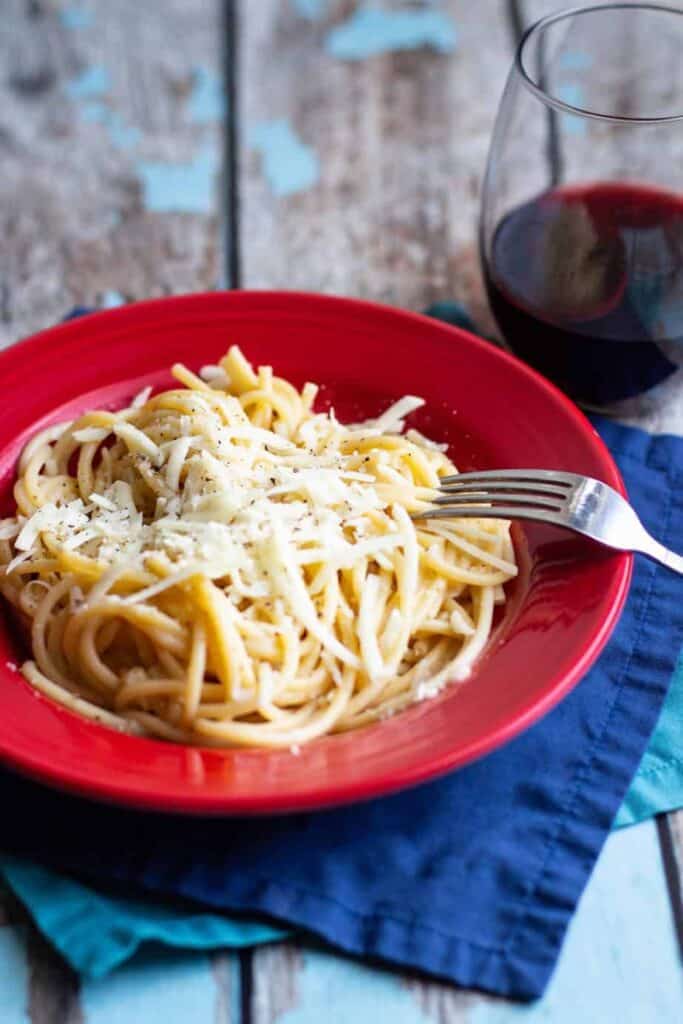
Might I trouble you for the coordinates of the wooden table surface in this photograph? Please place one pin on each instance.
(333, 169)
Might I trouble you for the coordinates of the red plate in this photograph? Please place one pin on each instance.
(494, 412)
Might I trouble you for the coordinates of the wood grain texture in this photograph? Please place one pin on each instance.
(50, 987)
(676, 823)
(275, 983)
(226, 978)
(99, 124)
(443, 1004)
(82, 112)
(159, 986)
(53, 990)
(672, 855)
(402, 141)
(13, 976)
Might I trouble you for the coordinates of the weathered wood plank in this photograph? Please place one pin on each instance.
(13, 977)
(159, 986)
(293, 986)
(53, 988)
(401, 141)
(31, 972)
(226, 976)
(109, 139)
(676, 823)
(109, 144)
(672, 855)
(276, 980)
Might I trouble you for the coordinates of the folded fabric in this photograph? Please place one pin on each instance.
(473, 877)
(658, 784)
(97, 930)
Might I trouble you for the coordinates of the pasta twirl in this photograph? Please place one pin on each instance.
(220, 564)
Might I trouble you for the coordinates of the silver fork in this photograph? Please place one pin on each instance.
(568, 500)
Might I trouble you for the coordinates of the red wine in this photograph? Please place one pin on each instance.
(586, 284)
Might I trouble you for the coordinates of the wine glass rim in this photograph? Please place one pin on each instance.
(569, 108)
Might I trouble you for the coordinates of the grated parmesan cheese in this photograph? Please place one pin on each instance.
(392, 420)
(137, 441)
(141, 398)
(241, 504)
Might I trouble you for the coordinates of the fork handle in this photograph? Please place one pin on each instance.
(653, 549)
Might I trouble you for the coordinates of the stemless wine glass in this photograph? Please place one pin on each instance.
(582, 217)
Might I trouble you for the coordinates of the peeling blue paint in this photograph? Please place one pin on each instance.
(156, 986)
(206, 102)
(371, 30)
(338, 991)
(573, 95)
(180, 188)
(93, 81)
(122, 135)
(570, 93)
(575, 60)
(289, 165)
(75, 18)
(111, 299)
(95, 111)
(312, 10)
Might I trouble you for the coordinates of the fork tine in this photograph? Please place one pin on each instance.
(518, 475)
(539, 515)
(556, 490)
(490, 498)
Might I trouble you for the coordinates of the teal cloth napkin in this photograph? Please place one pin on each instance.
(96, 929)
(658, 784)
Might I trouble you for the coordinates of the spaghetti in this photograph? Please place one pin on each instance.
(219, 564)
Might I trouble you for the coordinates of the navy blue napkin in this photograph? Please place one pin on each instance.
(473, 877)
